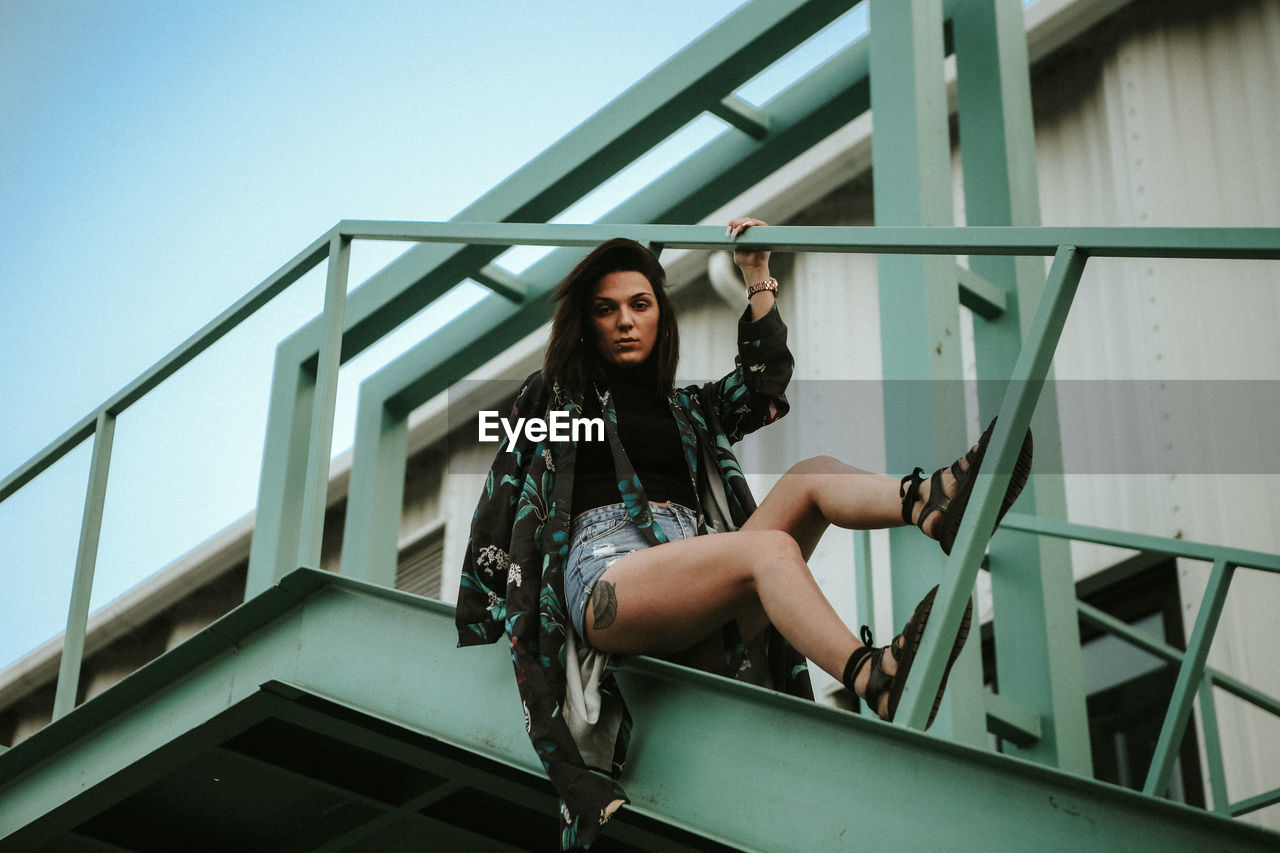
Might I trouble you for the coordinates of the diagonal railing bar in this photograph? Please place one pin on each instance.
(960, 572)
(175, 360)
(86, 561)
(1190, 675)
(1134, 637)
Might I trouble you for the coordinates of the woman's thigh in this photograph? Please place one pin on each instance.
(667, 598)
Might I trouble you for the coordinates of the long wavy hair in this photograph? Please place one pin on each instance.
(572, 357)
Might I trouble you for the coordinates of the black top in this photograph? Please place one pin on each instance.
(649, 435)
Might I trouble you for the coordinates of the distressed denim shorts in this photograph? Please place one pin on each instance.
(604, 535)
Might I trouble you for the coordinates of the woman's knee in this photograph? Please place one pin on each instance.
(818, 465)
(768, 550)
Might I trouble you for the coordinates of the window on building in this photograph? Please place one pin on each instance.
(420, 564)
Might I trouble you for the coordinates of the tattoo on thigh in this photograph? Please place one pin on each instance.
(604, 601)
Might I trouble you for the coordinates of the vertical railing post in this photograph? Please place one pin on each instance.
(277, 521)
(376, 493)
(863, 577)
(1189, 678)
(1213, 747)
(299, 432)
(86, 561)
(961, 570)
(316, 491)
(1037, 638)
(924, 400)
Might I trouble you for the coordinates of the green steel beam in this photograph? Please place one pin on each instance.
(695, 80)
(740, 114)
(980, 296)
(86, 561)
(430, 367)
(1010, 721)
(961, 569)
(919, 300)
(1038, 646)
(805, 112)
(285, 454)
(375, 493)
(345, 643)
(1190, 675)
(685, 86)
(502, 283)
(826, 99)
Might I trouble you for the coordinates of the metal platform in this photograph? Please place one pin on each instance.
(330, 714)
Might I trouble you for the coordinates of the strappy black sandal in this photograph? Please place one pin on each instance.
(905, 654)
(953, 508)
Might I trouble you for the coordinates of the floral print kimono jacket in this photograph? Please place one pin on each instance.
(512, 579)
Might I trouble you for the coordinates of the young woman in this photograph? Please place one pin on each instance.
(584, 551)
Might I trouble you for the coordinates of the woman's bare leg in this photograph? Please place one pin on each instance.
(821, 491)
(666, 599)
(673, 600)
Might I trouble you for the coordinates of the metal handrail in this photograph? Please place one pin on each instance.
(1069, 246)
(1194, 675)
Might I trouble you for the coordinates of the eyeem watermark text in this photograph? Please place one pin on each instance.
(560, 426)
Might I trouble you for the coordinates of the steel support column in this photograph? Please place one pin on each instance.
(1033, 590)
(919, 303)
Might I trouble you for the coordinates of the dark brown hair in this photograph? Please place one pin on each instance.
(571, 359)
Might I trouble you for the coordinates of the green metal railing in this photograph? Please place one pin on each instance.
(296, 460)
(1194, 676)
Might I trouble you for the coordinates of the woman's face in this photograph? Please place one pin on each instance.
(624, 313)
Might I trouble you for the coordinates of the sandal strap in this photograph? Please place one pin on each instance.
(909, 491)
(878, 681)
(937, 499)
(853, 665)
(971, 456)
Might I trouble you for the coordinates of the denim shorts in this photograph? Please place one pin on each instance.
(604, 535)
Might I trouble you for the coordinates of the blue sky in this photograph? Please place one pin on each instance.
(160, 159)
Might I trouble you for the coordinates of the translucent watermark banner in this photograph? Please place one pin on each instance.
(1106, 426)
